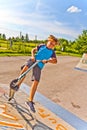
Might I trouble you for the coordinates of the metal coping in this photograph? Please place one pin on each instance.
(77, 68)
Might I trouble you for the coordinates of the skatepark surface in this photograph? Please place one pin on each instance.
(61, 84)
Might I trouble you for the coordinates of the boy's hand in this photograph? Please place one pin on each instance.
(45, 61)
(33, 58)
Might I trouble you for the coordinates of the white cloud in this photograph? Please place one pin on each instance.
(73, 9)
(38, 5)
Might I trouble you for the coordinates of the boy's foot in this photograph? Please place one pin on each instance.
(30, 105)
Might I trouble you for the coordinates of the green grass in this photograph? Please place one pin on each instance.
(16, 54)
(24, 49)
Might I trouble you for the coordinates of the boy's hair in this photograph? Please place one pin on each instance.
(51, 37)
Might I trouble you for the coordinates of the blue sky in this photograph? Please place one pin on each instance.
(62, 18)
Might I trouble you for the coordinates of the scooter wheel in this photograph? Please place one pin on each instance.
(13, 83)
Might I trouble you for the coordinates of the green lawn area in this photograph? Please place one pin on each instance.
(24, 48)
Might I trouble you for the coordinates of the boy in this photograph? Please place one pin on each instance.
(46, 54)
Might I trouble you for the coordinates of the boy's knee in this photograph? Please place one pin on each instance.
(22, 67)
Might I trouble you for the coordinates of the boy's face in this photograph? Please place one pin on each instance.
(51, 44)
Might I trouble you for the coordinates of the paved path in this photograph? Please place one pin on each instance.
(61, 83)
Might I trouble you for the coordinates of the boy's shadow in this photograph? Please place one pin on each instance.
(29, 117)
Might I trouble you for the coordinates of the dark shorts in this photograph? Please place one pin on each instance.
(36, 71)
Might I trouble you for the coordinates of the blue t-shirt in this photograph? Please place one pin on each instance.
(44, 53)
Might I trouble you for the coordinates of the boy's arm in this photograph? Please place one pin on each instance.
(33, 51)
(51, 60)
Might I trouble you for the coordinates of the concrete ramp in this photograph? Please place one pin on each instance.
(82, 65)
(48, 116)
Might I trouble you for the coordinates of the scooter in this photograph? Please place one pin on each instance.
(13, 84)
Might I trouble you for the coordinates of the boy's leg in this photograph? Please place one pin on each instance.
(36, 76)
(36, 79)
(30, 103)
(25, 68)
(33, 90)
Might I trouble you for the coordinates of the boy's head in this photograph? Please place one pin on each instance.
(53, 39)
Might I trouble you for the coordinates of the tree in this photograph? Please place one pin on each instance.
(63, 43)
(81, 42)
(3, 36)
(0, 35)
(22, 38)
(27, 38)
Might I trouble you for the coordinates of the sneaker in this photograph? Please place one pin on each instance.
(16, 88)
(30, 105)
(14, 85)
